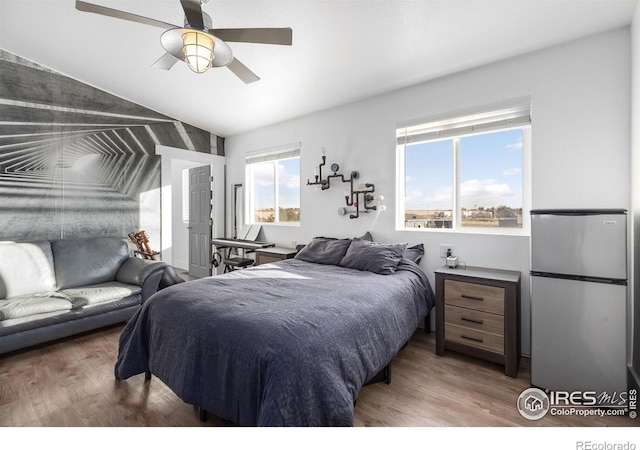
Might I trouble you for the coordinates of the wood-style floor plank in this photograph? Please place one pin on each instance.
(70, 383)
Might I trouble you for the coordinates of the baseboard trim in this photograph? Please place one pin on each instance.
(179, 264)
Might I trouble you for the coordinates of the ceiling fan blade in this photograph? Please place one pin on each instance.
(277, 36)
(89, 7)
(193, 12)
(242, 71)
(165, 62)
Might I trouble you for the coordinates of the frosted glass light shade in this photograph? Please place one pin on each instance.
(198, 50)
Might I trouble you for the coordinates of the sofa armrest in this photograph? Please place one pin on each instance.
(136, 270)
(142, 272)
(169, 278)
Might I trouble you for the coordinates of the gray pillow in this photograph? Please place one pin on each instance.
(367, 236)
(414, 253)
(373, 257)
(323, 250)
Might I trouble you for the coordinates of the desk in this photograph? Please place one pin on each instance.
(231, 263)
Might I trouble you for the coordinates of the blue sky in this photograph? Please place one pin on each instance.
(490, 172)
(288, 183)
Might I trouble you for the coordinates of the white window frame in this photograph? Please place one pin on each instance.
(507, 115)
(274, 154)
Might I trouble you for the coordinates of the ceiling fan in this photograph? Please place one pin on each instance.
(197, 43)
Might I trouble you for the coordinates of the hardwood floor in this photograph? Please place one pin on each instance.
(184, 274)
(70, 383)
(456, 390)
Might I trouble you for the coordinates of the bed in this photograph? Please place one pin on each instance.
(288, 343)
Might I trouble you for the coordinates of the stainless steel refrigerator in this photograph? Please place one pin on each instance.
(579, 300)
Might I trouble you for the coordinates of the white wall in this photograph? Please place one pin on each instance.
(580, 156)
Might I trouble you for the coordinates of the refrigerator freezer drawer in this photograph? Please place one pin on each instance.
(592, 245)
(578, 335)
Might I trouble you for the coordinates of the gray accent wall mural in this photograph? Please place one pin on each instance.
(76, 161)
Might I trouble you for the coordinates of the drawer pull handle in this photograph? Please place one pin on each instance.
(467, 319)
(471, 338)
(472, 297)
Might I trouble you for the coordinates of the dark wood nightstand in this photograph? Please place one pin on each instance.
(273, 254)
(478, 313)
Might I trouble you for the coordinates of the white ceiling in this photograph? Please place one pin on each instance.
(343, 50)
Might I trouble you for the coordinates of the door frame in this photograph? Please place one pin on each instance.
(217, 162)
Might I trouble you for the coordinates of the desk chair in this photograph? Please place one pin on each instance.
(230, 263)
(236, 262)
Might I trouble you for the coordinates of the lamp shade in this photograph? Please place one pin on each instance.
(198, 50)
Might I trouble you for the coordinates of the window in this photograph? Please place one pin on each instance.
(466, 171)
(273, 181)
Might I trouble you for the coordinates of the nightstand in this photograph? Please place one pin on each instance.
(273, 254)
(478, 313)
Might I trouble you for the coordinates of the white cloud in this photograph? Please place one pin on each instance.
(413, 199)
(289, 180)
(516, 145)
(263, 175)
(485, 193)
(442, 199)
(473, 193)
(512, 171)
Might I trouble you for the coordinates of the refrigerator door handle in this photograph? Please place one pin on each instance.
(617, 281)
(576, 212)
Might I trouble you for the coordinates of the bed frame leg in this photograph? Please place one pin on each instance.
(383, 375)
(203, 414)
(427, 323)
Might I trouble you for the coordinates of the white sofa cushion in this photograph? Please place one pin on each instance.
(32, 304)
(98, 293)
(26, 268)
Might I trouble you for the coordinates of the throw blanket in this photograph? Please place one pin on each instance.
(282, 344)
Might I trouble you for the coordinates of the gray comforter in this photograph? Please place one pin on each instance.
(283, 344)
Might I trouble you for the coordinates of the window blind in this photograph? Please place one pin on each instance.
(512, 113)
(273, 156)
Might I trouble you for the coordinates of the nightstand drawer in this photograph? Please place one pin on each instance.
(476, 320)
(474, 338)
(474, 296)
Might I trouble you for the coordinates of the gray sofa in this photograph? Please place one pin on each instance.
(58, 288)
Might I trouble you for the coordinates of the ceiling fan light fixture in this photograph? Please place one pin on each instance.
(198, 50)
